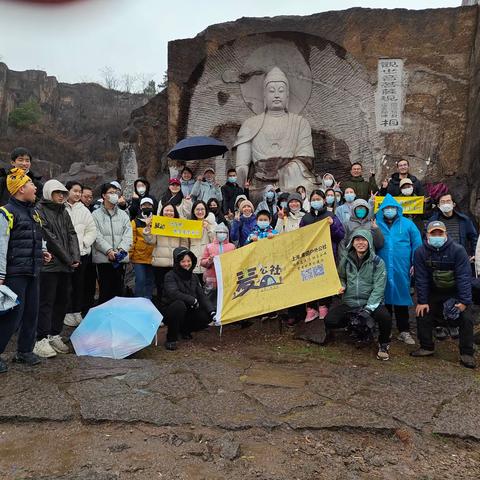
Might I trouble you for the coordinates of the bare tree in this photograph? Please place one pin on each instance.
(128, 82)
(109, 78)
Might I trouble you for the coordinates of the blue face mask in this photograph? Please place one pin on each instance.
(330, 199)
(232, 179)
(350, 197)
(283, 204)
(361, 212)
(317, 204)
(263, 224)
(437, 242)
(390, 212)
(270, 195)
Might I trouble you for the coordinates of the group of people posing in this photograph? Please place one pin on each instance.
(57, 244)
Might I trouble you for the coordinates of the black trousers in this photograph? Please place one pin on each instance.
(338, 317)
(24, 316)
(181, 319)
(110, 281)
(402, 317)
(159, 274)
(78, 286)
(55, 288)
(426, 324)
(89, 285)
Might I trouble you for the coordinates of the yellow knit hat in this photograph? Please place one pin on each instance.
(16, 179)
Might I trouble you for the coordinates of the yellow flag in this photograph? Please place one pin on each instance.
(272, 274)
(411, 205)
(176, 227)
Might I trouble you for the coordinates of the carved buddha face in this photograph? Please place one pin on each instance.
(276, 96)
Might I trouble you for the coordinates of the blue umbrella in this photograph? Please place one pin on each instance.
(117, 328)
(197, 148)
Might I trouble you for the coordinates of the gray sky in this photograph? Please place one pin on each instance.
(75, 42)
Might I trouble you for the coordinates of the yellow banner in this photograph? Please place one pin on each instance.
(176, 227)
(411, 205)
(271, 274)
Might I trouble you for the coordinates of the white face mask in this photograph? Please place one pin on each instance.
(407, 191)
(113, 198)
(328, 182)
(446, 207)
(141, 190)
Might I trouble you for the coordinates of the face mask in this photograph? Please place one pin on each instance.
(270, 195)
(294, 209)
(283, 204)
(263, 224)
(213, 209)
(446, 208)
(338, 198)
(232, 179)
(317, 204)
(141, 190)
(361, 212)
(146, 212)
(328, 182)
(350, 197)
(407, 191)
(437, 242)
(221, 236)
(330, 199)
(390, 212)
(113, 198)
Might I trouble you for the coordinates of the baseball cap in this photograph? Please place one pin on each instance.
(436, 225)
(174, 181)
(146, 200)
(405, 181)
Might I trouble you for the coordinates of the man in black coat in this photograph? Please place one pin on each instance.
(393, 187)
(185, 307)
(443, 274)
(230, 191)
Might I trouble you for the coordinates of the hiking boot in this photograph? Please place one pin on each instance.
(322, 312)
(441, 333)
(454, 332)
(406, 337)
(468, 361)
(171, 345)
(382, 353)
(3, 366)
(57, 344)
(422, 352)
(28, 358)
(71, 320)
(312, 314)
(44, 349)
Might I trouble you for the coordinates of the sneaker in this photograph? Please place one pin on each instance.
(3, 366)
(406, 337)
(57, 344)
(468, 361)
(322, 312)
(454, 332)
(171, 345)
(70, 320)
(382, 353)
(312, 314)
(43, 349)
(28, 358)
(422, 352)
(441, 333)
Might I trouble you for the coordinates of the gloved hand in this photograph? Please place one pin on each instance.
(195, 304)
(213, 316)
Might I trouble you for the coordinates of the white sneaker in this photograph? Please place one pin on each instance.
(43, 349)
(78, 317)
(70, 320)
(405, 337)
(57, 344)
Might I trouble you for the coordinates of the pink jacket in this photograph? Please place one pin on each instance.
(211, 250)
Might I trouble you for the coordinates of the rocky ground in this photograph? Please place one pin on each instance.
(251, 404)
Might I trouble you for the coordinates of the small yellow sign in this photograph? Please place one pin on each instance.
(411, 205)
(176, 227)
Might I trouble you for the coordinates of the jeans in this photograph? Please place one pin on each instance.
(24, 316)
(144, 280)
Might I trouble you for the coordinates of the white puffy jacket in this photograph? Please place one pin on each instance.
(84, 226)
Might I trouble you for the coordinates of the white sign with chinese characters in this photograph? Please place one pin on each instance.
(389, 98)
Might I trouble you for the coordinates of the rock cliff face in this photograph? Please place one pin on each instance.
(81, 125)
(441, 111)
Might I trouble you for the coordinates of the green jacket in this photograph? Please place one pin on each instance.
(364, 286)
(361, 187)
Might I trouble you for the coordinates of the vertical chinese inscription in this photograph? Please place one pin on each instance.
(389, 104)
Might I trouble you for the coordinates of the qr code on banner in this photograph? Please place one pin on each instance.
(313, 272)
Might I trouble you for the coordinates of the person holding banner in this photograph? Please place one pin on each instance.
(163, 247)
(401, 239)
(184, 306)
(363, 277)
(263, 229)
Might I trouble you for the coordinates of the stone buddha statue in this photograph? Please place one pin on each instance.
(278, 143)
